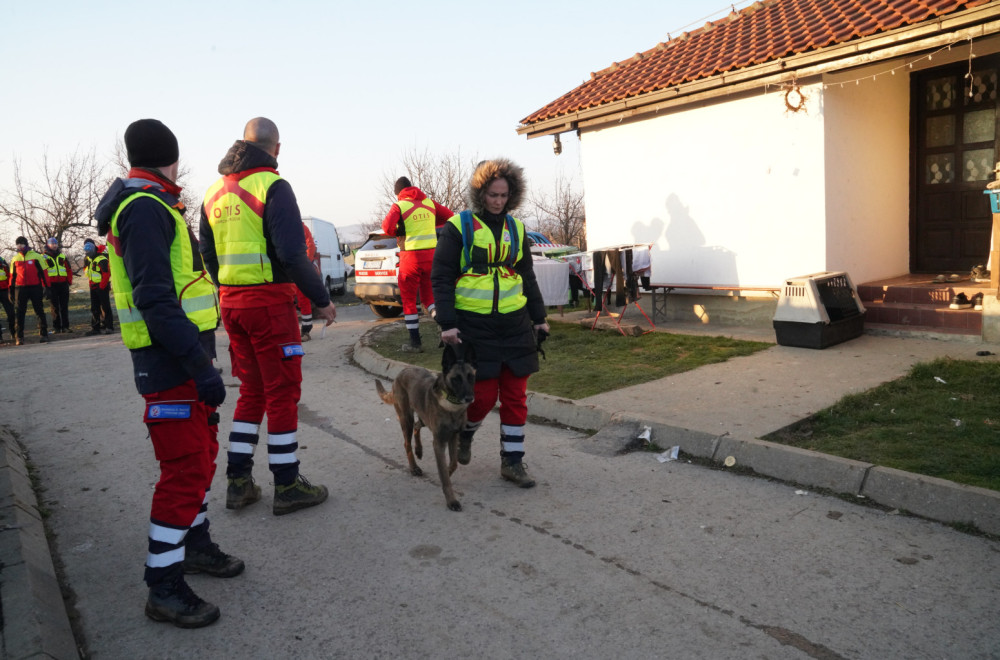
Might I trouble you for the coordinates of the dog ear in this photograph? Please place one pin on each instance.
(448, 358)
(469, 353)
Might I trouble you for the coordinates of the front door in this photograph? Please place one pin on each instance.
(955, 149)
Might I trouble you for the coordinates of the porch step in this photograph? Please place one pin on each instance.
(921, 308)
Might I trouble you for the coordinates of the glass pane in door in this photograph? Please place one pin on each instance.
(941, 131)
(978, 165)
(978, 126)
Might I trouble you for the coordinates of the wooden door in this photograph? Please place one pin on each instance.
(954, 134)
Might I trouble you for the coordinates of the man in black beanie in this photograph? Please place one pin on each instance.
(413, 219)
(28, 281)
(171, 339)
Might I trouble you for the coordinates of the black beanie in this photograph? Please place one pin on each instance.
(150, 143)
(401, 182)
(20, 240)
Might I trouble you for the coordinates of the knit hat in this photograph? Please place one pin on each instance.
(52, 242)
(20, 240)
(401, 182)
(149, 143)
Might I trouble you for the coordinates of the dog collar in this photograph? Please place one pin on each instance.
(451, 398)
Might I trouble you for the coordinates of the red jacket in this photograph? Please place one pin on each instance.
(390, 225)
(28, 269)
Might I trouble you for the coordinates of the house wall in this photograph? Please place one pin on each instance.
(867, 149)
(727, 193)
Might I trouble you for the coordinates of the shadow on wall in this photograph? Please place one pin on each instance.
(686, 259)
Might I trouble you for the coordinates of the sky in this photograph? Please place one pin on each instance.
(352, 86)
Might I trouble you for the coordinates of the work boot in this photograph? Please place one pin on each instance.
(516, 472)
(174, 601)
(91, 333)
(464, 447)
(299, 494)
(44, 339)
(306, 337)
(412, 348)
(212, 561)
(241, 492)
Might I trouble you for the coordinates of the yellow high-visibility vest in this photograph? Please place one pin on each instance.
(490, 284)
(235, 209)
(57, 265)
(195, 292)
(418, 219)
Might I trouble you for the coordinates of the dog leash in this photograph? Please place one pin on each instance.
(542, 336)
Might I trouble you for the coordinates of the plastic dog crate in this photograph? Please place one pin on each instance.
(818, 310)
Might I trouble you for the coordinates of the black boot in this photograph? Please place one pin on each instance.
(174, 601)
(212, 561)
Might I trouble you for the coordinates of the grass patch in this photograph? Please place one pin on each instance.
(580, 362)
(949, 430)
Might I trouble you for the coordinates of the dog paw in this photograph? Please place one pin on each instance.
(417, 472)
(455, 506)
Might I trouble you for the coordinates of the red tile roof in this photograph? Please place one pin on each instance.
(763, 32)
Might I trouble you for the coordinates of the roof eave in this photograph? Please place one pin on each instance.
(972, 23)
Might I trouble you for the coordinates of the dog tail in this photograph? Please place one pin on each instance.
(385, 396)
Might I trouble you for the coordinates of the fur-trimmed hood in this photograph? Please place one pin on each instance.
(488, 171)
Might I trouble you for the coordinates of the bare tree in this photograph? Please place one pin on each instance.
(561, 214)
(60, 204)
(444, 178)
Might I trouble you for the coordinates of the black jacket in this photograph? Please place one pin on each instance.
(499, 339)
(286, 240)
(146, 229)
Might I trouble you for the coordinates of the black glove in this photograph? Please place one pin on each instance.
(211, 389)
(540, 336)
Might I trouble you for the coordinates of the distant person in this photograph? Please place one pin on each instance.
(60, 279)
(98, 274)
(301, 300)
(487, 295)
(28, 281)
(413, 219)
(168, 316)
(254, 247)
(5, 297)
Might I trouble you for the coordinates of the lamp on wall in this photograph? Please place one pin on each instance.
(556, 145)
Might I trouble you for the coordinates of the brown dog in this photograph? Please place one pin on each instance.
(439, 402)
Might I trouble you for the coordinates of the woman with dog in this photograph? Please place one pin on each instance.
(486, 294)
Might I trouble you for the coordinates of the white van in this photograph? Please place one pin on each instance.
(330, 253)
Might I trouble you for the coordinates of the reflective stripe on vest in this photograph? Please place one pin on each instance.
(57, 265)
(195, 292)
(234, 206)
(93, 273)
(489, 285)
(418, 218)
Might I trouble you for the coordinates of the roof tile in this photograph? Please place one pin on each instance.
(763, 32)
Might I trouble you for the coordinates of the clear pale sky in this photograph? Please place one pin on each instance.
(352, 86)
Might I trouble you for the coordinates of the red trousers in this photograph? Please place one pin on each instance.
(414, 277)
(186, 447)
(512, 392)
(266, 352)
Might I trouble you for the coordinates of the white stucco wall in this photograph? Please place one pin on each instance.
(728, 193)
(867, 172)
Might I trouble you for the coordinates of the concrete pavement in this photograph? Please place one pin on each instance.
(98, 471)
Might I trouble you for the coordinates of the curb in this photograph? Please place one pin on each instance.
(928, 497)
(35, 623)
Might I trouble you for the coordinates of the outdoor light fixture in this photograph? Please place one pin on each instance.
(556, 145)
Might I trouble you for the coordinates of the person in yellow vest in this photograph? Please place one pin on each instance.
(487, 295)
(413, 219)
(60, 279)
(168, 314)
(28, 282)
(98, 273)
(5, 293)
(254, 247)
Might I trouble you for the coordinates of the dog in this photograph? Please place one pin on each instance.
(439, 402)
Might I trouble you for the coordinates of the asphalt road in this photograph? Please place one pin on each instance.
(609, 557)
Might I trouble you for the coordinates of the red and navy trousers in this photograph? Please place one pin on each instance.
(512, 392)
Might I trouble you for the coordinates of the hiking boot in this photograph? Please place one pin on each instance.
(241, 492)
(306, 337)
(959, 301)
(212, 561)
(299, 494)
(91, 333)
(412, 348)
(44, 339)
(516, 472)
(176, 603)
(464, 448)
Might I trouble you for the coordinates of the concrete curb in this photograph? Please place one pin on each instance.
(928, 497)
(35, 623)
